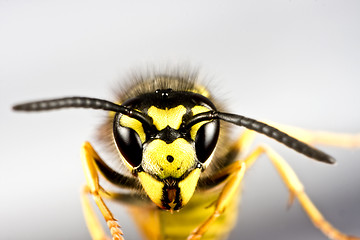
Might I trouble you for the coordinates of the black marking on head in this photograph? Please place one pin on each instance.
(171, 195)
(164, 93)
(168, 99)
(170, 158)
(128, 142)
(169, 135)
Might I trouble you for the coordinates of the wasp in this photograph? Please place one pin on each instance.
(180, 173)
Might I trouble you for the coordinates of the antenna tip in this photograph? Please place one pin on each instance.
(17, 107)
(331, 160)
(325, 158)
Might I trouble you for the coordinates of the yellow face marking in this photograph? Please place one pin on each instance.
(157, 152)
(196, 110)
(188, 185)
(152, 187)
(167, 117)
(134, 124)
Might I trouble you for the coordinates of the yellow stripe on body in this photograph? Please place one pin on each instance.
(201, 90)
(164, 225)
(195, 213)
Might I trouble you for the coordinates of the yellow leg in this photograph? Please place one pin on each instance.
(88, 156)
(321, 137)
(92, 222)
(230, 189)
(236, 170)
(243, 143)
(297, 190)
(235, 173)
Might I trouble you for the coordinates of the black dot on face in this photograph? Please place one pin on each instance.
(170, 158)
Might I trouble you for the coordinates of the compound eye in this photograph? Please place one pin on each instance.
(128, 143)
(206, 139)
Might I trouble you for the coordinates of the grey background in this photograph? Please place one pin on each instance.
(293, 62)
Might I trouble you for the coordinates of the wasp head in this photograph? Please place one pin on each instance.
(166, 155)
